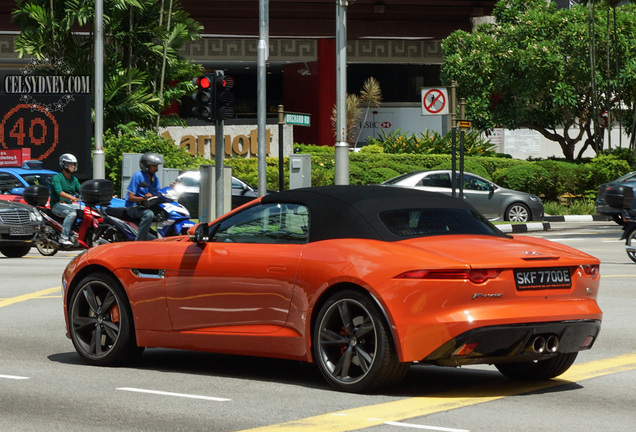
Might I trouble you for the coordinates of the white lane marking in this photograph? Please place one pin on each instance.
(13, 377)
(434, 428)
(183, 395)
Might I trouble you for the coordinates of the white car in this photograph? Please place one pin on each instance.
(188, 183)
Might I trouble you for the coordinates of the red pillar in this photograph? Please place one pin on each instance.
(314, 94)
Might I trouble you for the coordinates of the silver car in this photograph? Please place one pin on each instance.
(494, 202)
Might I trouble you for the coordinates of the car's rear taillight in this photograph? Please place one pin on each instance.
(590, 269)
(477, 276)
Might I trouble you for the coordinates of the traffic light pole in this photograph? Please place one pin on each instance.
(219, 156)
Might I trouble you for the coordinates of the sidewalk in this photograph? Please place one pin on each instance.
(550, 222)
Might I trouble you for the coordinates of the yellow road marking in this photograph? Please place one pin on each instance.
(373, 415)
(25, 297)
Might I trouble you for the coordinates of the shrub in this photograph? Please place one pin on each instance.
(527, 178)
(561, 179)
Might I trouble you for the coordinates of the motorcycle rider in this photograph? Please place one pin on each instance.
(64, 188)
(138, 193)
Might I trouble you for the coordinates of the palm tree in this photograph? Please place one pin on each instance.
(143, 70)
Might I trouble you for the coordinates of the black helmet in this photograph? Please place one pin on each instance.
(149, 159)
(66, 159)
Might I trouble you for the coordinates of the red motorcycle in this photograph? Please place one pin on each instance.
(86, 223)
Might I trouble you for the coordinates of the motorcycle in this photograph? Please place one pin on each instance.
(171, 219)
(621, 197)
(84, 227)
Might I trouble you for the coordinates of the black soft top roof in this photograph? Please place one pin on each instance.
(353, 211)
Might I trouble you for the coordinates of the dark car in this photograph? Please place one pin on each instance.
(494, 202)
(187, 185)
(20, 226)
(601, 206)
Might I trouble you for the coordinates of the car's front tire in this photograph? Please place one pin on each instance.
(518, 212)
(353, 346)
(101, 322)
(15, 251)
(539, 369)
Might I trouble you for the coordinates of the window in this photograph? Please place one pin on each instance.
(473, 183)
(429, 222)
(266, 223)
(8, 182)
(441, 180)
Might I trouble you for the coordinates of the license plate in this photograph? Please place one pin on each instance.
(21, 230)
(551, 278)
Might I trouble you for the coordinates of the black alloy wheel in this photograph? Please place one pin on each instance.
(353, 346)
(101, 323)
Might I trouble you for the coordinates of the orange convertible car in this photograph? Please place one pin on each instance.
(361, 280)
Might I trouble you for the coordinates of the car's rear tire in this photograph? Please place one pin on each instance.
(518, 212)
(15, 251)
(538, 370)
(353, 346)
(101, 322)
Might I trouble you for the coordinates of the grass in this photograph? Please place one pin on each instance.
(573, 207)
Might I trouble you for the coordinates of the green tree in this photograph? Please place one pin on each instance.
(143, 70)
(531, 69)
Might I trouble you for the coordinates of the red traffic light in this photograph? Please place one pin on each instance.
(205, 82)
(226, 82)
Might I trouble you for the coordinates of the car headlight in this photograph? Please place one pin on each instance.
(535, 199)
(36, 216)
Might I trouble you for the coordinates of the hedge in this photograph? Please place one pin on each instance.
(549, 179)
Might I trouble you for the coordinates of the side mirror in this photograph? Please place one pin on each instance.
(201, 233)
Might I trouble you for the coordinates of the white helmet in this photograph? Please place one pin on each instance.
(149, 159)
(66, 159)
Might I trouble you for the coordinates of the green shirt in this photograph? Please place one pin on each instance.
(60, 184)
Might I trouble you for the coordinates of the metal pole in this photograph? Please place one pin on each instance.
(219, 157)
(281, 167)
(263, 51)
(342, 146)
(99, 159)
(462, 106)
(453, 106)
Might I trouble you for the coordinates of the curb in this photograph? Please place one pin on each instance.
(545, 226)
(522, 228)
(577, 218)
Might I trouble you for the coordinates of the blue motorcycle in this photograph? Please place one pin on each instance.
(171, 219)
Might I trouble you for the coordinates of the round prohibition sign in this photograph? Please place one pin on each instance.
(434, 101)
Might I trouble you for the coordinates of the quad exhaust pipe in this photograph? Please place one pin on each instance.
(541, 344)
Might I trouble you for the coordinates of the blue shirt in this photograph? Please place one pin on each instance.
(136, 189)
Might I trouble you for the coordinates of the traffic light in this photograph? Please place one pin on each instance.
(223, 97)
(204, 97)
